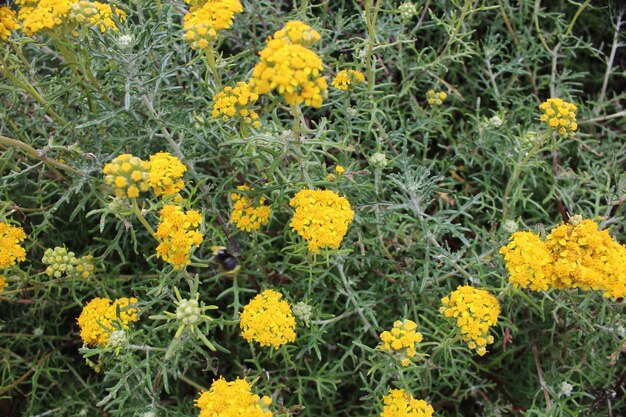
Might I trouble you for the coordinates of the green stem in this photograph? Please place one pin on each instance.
(209, 51)
(37, 155)
(142, 219)
(370, 20)
(22, 82)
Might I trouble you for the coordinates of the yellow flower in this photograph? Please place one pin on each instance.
(345, 79)
(401, 340)
(8, 22)
(128, 175)
(205, 20)
(177, 233)
(3, 283)
(100, 312)
(339, 169)
(435, 98)
(297, 32)
(293, 71)
(247, 215)
(399, 403)
(322, 218)
(165, 175)
(237, 103)
(230, 399)
(268, 320)
(559, 115)
(96, 14)
(528, 261)
(11, 251)
(585, 257)
(475, 312)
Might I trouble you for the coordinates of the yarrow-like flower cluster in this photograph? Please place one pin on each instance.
(249, 215)
(128, 175)
(3, 283)
(42, 15)
(575, 255)
(230, 399)
(206, 18)
(345, 79)
(475, 312)
(435, 98)
(322, 218)
(177, 233)
(399, 403)
(268, 320)
(407, 10)
(62, 262)
(237, 103)
(298, 32)
(8, 22)
(401, 340)
(101, 312)
(559, 115)
(290, 68)
(11, 251)
(165, 174)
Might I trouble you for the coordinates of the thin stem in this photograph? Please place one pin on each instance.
(209, 52)
(609, 63)
(142, 219)
(37, 155)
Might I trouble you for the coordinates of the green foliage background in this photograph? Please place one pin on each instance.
(427, 222)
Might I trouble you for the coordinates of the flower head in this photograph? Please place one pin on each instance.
(177, 233)
(205, 20)
(165, 175)
(399, 403)
(435, 98)
(3, 283)
(96, 14)
(401, 340)
(559, 116)
(322, 218)
(528, 261)
(8, 23)
(293, 71)
(237, 103)
(128, 175)
(297, 32)
(99, 319)
(249, 215)
(475, 312)
(407, 10)
(345, 79)
(11, 251)
(62, 262)
(268, 320)
(230, 399)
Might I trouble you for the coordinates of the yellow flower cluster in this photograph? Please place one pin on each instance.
(246, 215)
(475, 311)
(62, 262)
(128, 175)
(165, 174)
(399, 403)
(230, 399)
(8, 22)
(345, 79)
(339, 170)
(401, 340)
(205, 19)
(100, 312)
(97, 14)
(3, 283)
(576, 255)
(236, 102)
(322, 218)
(290, 68)
(268, 320)
(11, 251)
(298, 32)
(177, 233)
(38, 16)
(559, 115)
(435, 98)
